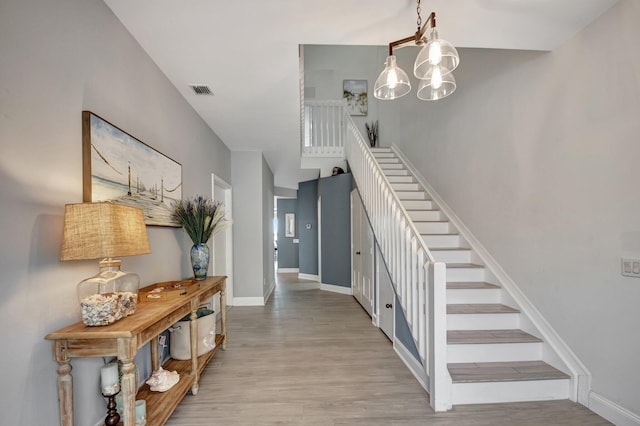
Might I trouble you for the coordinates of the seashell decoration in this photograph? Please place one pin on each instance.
(107, 308)
(162, 380)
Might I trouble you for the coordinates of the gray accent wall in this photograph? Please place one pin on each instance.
(287, 249)
(537, 153)
(335, 214)
(57, 59)
(308, 215)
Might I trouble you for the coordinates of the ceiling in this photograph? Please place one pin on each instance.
(247, 51)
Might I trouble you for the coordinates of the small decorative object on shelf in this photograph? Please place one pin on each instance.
(201, 218)
(372, 133)
(110, 386)
(103, 231)
(141, 412)
(162, 380)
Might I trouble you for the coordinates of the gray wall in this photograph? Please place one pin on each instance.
(252, 223)
(268, 260)
(335, 235)
(57, 59)
(537, 154)
(287, 250)
(308, 214)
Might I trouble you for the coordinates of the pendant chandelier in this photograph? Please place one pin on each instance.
(433, 67)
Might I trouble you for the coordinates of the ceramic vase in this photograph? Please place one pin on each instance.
(200, 260)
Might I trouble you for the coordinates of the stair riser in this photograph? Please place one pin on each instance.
(441, 241)
(473, 296)
(493, 392)
(405, 186)
(452, 256)
(456, 275)
(396, 172)
(508, 321)
(400, 179)
(411, 195)
(496, 352)
(418, 204)
(392, 166)
(425, 215)
(387, 160)
(433, 227)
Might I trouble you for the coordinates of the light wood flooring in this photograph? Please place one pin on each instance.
(312, 357)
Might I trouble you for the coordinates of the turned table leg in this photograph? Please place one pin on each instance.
(126, 353)
(65, 382)
(223, 314)
(194, 348)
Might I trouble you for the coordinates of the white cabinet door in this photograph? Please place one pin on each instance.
(362, 255)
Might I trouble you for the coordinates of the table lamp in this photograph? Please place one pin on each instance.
(104, 231)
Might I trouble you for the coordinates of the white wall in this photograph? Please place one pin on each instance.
(538, 153)
(56, 59)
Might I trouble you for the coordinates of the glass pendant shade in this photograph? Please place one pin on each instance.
(436, 52)
(393, 82)
(437, 84)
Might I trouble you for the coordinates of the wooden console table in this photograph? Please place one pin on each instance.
(123, 339)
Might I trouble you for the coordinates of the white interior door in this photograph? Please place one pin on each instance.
(362, 255)
(222, 242)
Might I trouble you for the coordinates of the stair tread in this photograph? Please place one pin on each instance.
(470, 285)
(480, 308)
(463, 265)
(450, 249)
(431, 221)
(489, 336)
(430, 235)
(503, 371)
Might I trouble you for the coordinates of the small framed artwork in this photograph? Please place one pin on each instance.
(119, 168)
(355, 93)
(289, 225)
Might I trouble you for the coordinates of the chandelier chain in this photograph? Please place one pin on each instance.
(419, 20)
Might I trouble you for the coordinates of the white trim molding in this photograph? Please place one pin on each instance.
(309, 277)
(248, 301)
(580, 375)
(288, 270)
(416, 368)
(269, 292)
(611, 411)
(336, 289)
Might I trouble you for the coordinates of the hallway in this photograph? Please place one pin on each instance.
(312, 357)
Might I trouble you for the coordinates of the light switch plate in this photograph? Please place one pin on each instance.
(631, 267)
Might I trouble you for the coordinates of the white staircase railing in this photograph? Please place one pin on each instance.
(419, 281)
(323, 128)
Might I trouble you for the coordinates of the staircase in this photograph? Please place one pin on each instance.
(488, 356)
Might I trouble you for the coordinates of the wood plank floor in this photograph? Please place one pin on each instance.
(313, 358)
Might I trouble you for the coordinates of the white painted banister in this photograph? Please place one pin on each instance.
(324, 128)
(419, 281)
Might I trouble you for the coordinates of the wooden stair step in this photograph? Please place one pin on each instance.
(480, 308)
(470, 285)
(459, 337)
(503, 372)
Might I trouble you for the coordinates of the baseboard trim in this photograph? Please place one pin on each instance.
(248, 301)
(288, 270)
(611, 411)
(412, 363)
(309, 277)
(336, 289)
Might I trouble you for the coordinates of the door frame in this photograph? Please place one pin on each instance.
(217, 182)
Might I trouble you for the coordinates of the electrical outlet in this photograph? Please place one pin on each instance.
(631, 267)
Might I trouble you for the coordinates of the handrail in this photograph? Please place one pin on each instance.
(419, 281)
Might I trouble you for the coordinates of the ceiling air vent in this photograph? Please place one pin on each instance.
(201, 89)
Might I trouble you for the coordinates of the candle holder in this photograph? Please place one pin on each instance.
(113, 418)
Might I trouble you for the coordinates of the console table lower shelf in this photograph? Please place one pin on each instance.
(123, 338)
(160, 405)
